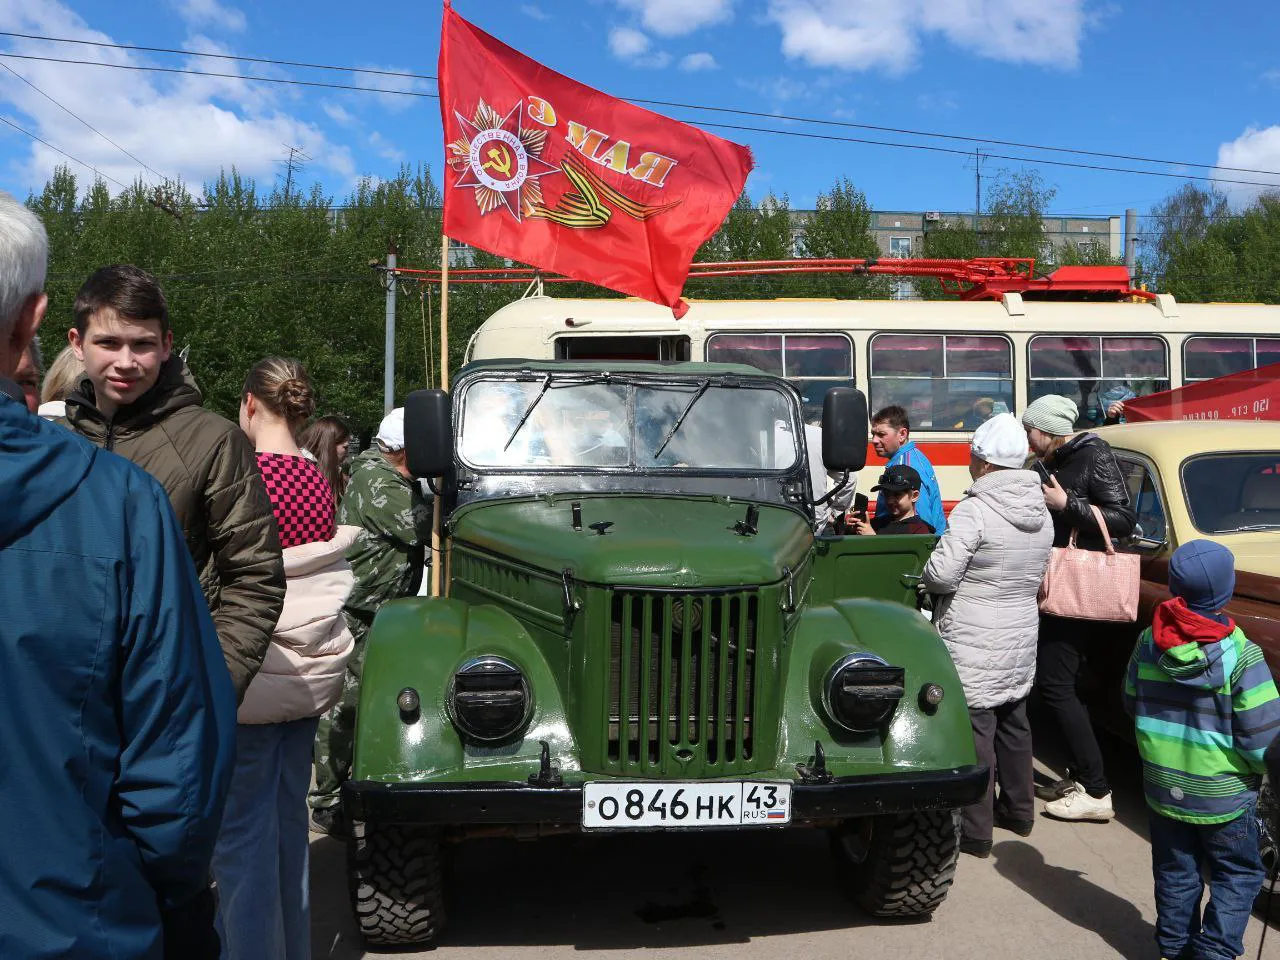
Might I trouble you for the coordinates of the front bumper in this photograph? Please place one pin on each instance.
(517, 803)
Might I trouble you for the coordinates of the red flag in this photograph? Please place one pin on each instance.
(1248, 395)
(549, 172)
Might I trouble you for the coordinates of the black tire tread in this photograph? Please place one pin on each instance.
(910, 863)
(396, 878)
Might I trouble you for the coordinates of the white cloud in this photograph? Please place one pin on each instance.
(391, 79)
(1271, 76)
(636, 48)
(535, 12)
(338, 114)
(1258, 148)
(627, 43)
(211, 13)
(869, 35)
(385, 148)
(188, 127)
(779, 90)
(674, 18)
(695, 62)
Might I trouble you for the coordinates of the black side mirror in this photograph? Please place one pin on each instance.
(428, 433)
(844, 429)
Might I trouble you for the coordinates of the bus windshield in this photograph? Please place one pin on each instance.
(558, 422)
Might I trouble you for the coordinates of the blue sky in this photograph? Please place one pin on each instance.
(1177, 80)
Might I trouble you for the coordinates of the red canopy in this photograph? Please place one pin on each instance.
(1250, 395)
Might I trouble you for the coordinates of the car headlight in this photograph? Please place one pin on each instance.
(862, 691)
(489, 699)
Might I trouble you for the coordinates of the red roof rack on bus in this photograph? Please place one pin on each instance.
(981, 278)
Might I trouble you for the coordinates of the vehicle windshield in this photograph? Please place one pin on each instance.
(579, 423)
(1233, 492)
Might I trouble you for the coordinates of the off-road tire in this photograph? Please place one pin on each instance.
(396, 876)
(899, 865)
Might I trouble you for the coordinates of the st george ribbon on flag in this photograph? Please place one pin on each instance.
(550, 172)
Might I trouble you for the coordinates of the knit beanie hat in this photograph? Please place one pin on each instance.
(1203, 573)
(1001, 441)
(1053, 415)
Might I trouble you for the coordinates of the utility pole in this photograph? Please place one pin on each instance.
(977, 187)
(389, 355)
(1131, 240)
(293, 162)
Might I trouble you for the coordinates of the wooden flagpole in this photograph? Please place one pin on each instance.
(438, 582)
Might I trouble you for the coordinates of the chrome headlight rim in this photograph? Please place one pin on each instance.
(471, 664)
(833, 674)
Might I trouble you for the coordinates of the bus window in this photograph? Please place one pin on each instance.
(1094, 371)
(622, 348)
(1204, 358)
(813, 362)
(945, 381)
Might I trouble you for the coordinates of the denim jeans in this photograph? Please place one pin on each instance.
(261, 861)
(1228, 853)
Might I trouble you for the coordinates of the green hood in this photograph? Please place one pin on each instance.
(175, 389)
(653, 541)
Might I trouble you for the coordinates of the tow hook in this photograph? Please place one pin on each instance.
(816, 772)
(547, 775)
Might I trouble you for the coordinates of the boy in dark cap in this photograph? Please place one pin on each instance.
(1205, 709)
(899, 489)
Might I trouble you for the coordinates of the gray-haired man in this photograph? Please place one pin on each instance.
(118, 708)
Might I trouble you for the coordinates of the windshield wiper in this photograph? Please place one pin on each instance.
(1251, 528)
(702, 388)
(528, 412)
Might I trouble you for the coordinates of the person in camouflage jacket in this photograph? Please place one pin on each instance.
(387, 560)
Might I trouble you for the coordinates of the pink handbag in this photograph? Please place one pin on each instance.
(1089, 584)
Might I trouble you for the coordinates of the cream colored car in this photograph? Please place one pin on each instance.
(1214, 480)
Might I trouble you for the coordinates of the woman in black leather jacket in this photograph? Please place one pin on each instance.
(1082, 473)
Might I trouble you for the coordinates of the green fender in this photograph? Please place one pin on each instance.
(914, 739)
(420, 642)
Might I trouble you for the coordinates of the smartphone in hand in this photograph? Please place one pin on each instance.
(860, 505)
(1043, 471)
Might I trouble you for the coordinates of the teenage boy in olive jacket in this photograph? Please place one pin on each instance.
(138, 400)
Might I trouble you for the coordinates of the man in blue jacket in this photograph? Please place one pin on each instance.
(118, 711)
(891, 438)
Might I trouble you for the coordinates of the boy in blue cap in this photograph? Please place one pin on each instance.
(1206, 709)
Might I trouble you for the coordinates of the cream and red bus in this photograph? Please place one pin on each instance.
(950, 364)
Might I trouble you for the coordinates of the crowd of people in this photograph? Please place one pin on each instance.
(209, 587)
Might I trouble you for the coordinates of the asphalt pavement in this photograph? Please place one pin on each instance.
(1067, 891)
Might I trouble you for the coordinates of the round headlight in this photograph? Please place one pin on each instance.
(489, 699)
(862, 691)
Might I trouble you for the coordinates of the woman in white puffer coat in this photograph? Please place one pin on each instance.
(987, 569)
(261, 858)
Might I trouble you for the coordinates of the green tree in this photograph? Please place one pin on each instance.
(840, 229)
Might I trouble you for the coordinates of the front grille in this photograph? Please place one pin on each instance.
(682, 679)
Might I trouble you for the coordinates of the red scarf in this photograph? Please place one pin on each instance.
(1174, 624)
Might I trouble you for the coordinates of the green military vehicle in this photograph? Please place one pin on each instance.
(642, 632)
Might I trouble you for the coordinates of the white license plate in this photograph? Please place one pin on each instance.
(607, 805)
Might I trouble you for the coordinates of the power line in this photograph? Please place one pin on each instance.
(998, 156)
(953, 136)
(847, 124)
(68, 110)
(723, 126)
(228, 76)
(88, 166)
(222, 56)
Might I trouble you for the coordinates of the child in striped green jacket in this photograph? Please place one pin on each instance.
(1206, 709)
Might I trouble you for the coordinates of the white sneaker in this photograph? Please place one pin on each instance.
(1078, 805)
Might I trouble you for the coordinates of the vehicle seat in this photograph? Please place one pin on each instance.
(1259, 502)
